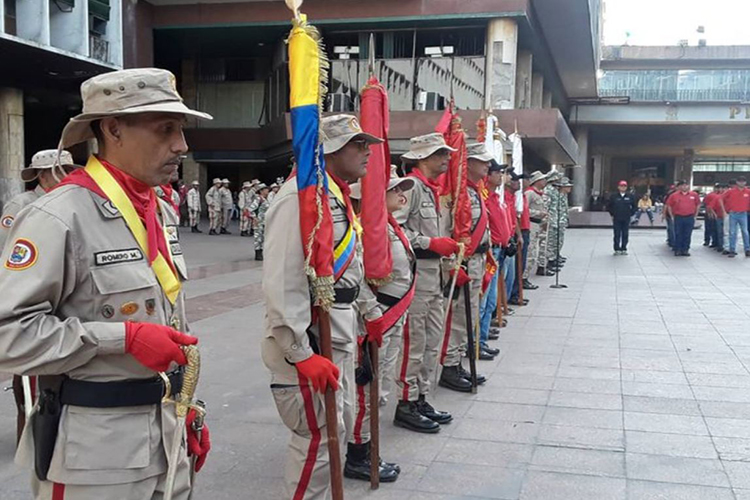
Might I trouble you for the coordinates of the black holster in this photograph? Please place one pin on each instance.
(45, 423)
(363, 374)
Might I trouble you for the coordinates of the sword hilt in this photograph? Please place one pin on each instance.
(189, 380)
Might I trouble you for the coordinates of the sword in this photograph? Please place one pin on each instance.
(198, 429)
(183, 404)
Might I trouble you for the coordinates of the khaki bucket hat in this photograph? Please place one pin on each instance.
(225, 181)
(338, 130)
(404, 183)
(479, 152)
(44, 160)
(422, 146)
(216, 181)
(196, 183)
(536, 177)
(246, 184)
(125, 92)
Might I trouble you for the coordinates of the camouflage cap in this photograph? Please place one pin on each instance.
(44, 160)
(125, 92)
(554, 175)
(479, 152)
(422, 146)
(338, 130)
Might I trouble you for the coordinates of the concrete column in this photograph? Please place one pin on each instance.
(537, 90)
(32, 20)
(523, 79)
(12, 156)
(500, 64)
(688, 158)
(581, 191)
(69, 30)
(190, 169)
(547, 99)
(598, 174)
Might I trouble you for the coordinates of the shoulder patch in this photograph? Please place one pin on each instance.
(117, 256)
(23, 255)
(7, 221)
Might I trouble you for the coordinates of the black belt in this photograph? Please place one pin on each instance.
(138, 392)
(421, 253)
(388, 300)
(535, 220)
(345, 295)
(482, 248)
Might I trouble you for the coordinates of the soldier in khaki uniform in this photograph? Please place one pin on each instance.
(454, 376)
(226, 206)
(299, 374)
(427, 230)
(45, 169)
(390, 297)
(213, 202)
(90, 315)
(538, 215)
(194, 207)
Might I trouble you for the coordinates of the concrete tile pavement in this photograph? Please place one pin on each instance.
(630, 384)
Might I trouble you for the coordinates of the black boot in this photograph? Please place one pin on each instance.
(492, 350)
(528, 285)
(259, 255)
(452, 379)
(408, 417)
(243, 233)
(196, 229)
(224, 231)
(212, 232)
(481, 379)
(193, 229)
(357, 464)
(544, 272)
(426, 410)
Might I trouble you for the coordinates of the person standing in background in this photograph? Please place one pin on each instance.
(621, 206)
(683, 207)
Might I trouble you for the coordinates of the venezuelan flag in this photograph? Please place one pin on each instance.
(307, 79)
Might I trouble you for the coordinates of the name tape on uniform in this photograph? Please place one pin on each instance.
(117, 256)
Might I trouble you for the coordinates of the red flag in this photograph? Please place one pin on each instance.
(453, 182)
(376, 244)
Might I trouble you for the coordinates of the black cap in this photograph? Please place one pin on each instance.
(681, 182)
(717, 185)
(497, 167)
(514, 176)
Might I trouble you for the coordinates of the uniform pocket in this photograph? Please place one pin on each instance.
(126, 292)
(428, 212)
(290, 403)
(109, 438)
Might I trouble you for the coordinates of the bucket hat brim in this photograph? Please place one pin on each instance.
(330, 146)
(79, 130)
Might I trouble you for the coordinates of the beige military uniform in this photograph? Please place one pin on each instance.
(456, 347)
(77, 275)
(291, 336)
(421, 220)
(244, 200)
(538, 211)
(213, 202)
(11, 209)
(194, 206)
(389, 351)
(226, 206)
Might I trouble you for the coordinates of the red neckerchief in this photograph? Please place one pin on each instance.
(430, 183)
(142, 197)
(481, 228)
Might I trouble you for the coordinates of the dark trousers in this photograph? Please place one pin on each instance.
(525, 234)
(670, 232)
(709, 231)
(683, 230)
(621, 229)
(718, 233)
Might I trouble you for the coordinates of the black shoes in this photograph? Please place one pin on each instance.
(224, 231)
(528, 285)
(426, 410)
(731, 255)
(259, 255)
(515, 302)
(212, 232)
(489, 349)
(485, 356)
(357, 464)
(481, 379)
(409, 417)
(195, 229)
(243, 233)
(452, 379)
(544, 272)
(494, 334)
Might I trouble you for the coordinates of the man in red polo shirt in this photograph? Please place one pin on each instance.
(736, 202)
(683, 207)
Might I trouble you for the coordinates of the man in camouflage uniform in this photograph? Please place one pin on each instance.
(213, 202)
(539, 217)
(258, 209)
(565, 187)
(552, 202)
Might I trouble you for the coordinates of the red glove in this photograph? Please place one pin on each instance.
(374, 333)
(443, 246)
(156, 346)
(320, 371)
(462, 279)
(197, 447)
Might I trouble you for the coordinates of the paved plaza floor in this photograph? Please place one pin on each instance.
(632, 383)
